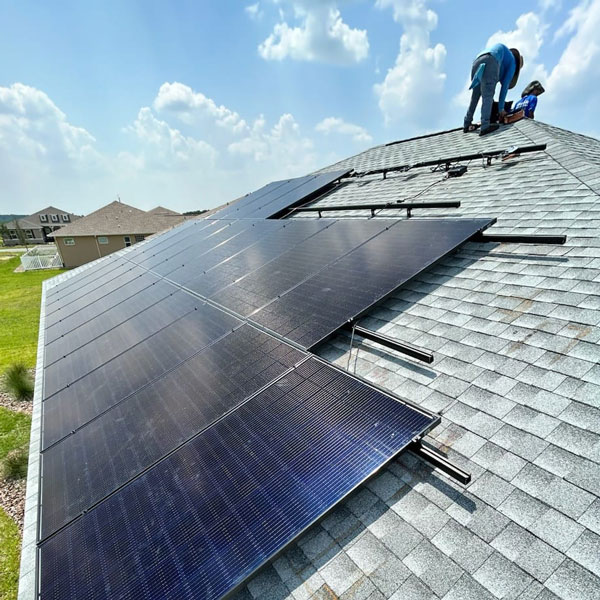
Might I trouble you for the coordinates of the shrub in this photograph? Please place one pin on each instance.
(14, 464)
(18, 382)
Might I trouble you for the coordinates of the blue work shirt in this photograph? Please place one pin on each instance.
(527, 103)
(506, 60)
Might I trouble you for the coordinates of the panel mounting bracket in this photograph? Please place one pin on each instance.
(435, 458)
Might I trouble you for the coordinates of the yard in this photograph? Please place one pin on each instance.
(20, 295)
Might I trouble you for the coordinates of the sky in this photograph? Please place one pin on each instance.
(190, 104)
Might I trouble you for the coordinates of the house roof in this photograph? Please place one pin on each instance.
(33, 222)
(161, 210)
(514, 329)
(118, 218)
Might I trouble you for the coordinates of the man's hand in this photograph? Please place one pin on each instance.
(501, 116)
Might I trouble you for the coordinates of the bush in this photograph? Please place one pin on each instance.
(18, 383)
(14, 464)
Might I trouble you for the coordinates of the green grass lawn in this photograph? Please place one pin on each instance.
(20, 295)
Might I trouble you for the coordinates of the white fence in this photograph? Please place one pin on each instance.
(41, 257)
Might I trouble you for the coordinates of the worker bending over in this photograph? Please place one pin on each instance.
(495, 64)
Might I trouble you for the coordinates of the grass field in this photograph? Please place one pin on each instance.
(20, 295)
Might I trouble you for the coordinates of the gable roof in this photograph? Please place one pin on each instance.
(32, 221)
(118, 218)
(161, 210)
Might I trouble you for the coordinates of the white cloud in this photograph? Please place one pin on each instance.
(321, 36)
(572, 86)
(336, 125)
(191, 107)
(413, 87)
(254, 11)
(32, 126)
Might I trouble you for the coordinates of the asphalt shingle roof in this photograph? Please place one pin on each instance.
(118, 218)
(514, 329)
(516, 378)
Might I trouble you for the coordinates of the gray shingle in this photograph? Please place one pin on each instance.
(340, 573)
(491, 489)
(586, 551)
(390, 575)
(413, 589)
(572, 582)
(368, 553)
(502, 577)
(466, 588)
(465, 548)
(556, 529)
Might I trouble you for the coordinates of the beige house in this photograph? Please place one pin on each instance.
(110, 228)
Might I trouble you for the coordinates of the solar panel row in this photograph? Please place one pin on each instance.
(206, 516)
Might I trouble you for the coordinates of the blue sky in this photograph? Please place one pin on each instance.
(190, 104)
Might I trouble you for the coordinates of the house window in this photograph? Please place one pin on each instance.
(66, 218)
(69, 241)
(54, 218)
(13, 235)
(140, 238)
(44, 218)
(103, 240)
(127, 240)
(29, 234)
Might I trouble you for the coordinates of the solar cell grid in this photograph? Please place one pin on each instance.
(113, 343)
(83, 326)
(195, 243)
(109, 451)
(144, 363)
(195, 263)
(200, 521)
(283, 273)
(252, 258)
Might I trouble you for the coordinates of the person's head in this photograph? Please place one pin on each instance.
(518, 67)
(535, 88)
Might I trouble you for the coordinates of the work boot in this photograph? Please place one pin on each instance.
(491, 127)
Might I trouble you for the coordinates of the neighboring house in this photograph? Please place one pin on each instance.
(36, 228)
(110, 228)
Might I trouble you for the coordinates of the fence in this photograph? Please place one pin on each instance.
(41, 257)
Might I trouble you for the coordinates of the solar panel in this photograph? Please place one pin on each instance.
(275, 197)
(203, 519)
(342, 290)
(132, 435)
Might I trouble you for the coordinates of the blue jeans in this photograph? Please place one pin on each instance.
(485, 90)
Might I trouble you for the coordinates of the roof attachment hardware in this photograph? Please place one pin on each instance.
(409, 206)
(434, 457)
(510, 238)
(504, 154)
(457, 170)
(388, 342)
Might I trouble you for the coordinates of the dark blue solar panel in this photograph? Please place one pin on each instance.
(65, 371)
(104, 387)
(263, 285)
(112, 449)
(341, 291)
(206, 517)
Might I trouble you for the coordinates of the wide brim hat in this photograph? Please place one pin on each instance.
(515, 78)
(535, 85)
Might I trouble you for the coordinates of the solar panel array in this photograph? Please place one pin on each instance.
(187, 433)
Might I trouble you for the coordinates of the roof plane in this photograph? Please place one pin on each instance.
(514, 329)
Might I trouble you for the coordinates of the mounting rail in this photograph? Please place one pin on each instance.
(517, 238)
(434, 457)
(488, 156)
(388, 342)
(409, 206)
